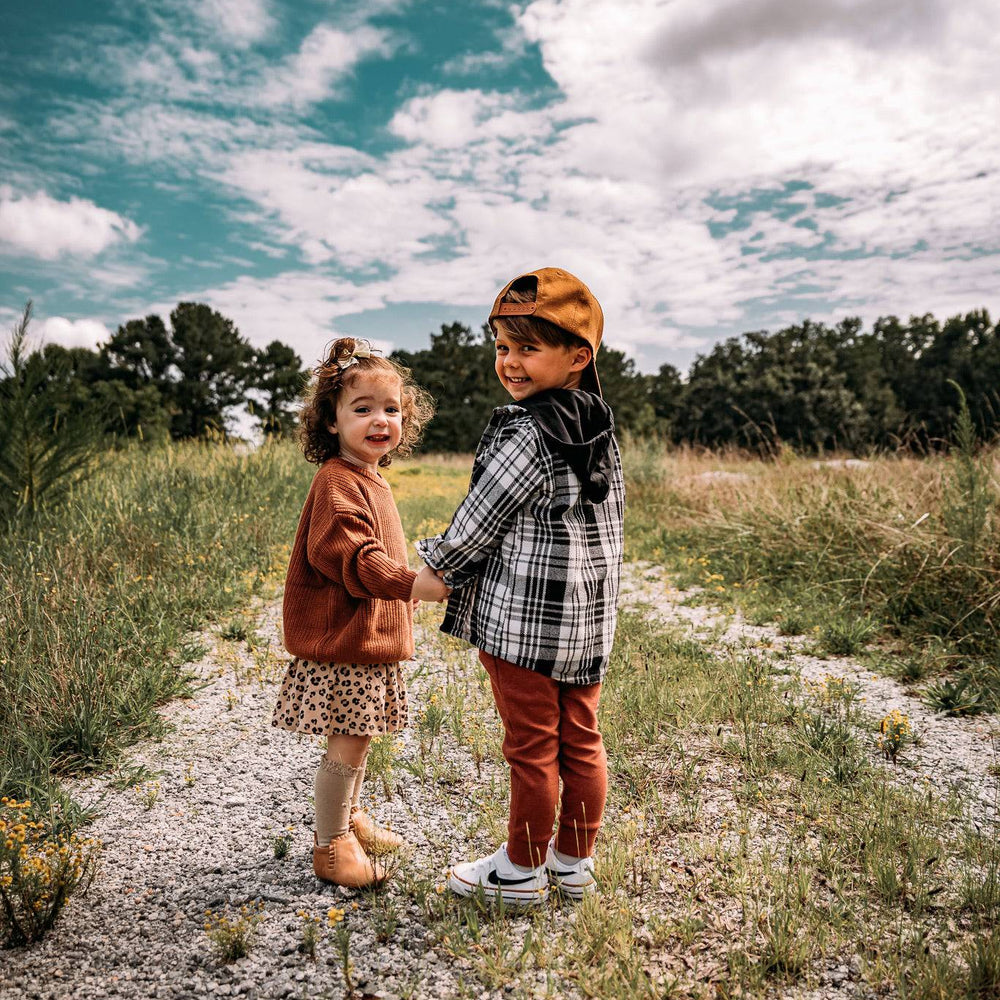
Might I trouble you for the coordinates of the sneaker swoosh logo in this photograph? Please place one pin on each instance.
(555, 871)
(495, 879)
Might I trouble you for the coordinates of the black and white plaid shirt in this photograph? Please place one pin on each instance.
(533, 566)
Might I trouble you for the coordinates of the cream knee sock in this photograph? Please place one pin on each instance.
(335, 782)
(356, 797)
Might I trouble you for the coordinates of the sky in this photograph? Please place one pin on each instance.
(317, 168)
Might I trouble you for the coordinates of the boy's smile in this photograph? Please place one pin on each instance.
(369, 419)
(528, 368)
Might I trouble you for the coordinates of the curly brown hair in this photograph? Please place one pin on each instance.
(338, 370)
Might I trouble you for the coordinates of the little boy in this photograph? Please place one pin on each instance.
(533, 556)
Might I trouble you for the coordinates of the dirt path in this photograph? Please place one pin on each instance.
(228, 784)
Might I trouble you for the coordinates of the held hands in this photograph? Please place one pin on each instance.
(428, 586)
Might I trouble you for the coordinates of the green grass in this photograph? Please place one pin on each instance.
(903, 553)
(100, 596)
(751, 841)
(751, 836)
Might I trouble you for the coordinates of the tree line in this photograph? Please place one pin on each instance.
(153, 380)
(812, 385)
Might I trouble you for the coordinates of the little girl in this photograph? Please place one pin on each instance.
(348, 615)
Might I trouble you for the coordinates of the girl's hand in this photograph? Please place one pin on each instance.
(428, 586)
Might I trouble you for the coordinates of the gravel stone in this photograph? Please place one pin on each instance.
(207, 845)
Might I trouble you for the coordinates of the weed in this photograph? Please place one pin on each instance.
(982, 958)
(431, 720)
(235, 630)
(281, 842)
(844, 637)
(383, 754)
(40, 458)
(342, 946)
(786, 949)
(310, 933)
(979, 892)
(40, 869)
(190, 651)
(792, 623)
(957, 697)
(910, 540)
(148, 794)
(912, 669)
(106, 593)
(385, 918)
(968, 497)
(895, 733)
(231, 935)
(132, 776)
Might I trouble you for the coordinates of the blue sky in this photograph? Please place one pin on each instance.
(315, 168)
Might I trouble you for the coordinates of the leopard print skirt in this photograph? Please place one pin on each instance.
(355, 699)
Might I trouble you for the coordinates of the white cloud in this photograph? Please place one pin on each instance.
(699, 32)
(447, 119)
(72, 333)
(41, 226)
(763, 106)
(266, 248)
(173, 140)
(333, 204)
(325, 57)
(511, 46)
(664, 106)
(124, 274)
(238, 22)
(299, 308)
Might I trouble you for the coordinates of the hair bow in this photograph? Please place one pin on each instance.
(361, 350)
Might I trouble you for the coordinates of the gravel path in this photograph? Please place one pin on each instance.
(956, 755)
(229, 784)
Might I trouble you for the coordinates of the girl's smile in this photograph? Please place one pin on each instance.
(369, 419)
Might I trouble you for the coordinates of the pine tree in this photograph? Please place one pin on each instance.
(40, 457)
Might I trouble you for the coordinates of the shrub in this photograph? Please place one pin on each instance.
(39, 870)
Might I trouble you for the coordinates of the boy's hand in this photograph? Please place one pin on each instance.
(428, 586)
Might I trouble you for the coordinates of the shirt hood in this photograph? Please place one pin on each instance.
(579, 426)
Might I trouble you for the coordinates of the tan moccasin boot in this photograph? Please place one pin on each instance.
(374, 839)
(343, 862)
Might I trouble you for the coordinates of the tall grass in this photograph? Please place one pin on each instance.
(907, 545)
(98, 597)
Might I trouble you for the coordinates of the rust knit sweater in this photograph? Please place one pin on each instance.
(347, 591)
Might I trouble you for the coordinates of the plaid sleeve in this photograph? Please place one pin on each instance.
(509, 476)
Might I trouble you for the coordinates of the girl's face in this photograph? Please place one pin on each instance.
(369, 420)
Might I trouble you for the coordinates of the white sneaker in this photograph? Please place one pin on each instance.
(576, 881)
(499, 879)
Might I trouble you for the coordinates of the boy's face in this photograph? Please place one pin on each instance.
(526, 369)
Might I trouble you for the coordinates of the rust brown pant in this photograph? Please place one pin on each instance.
(550, 733)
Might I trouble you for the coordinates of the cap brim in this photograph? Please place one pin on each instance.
(589, 382)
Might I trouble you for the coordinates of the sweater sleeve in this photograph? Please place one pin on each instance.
(343, 546)
(509, 477)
